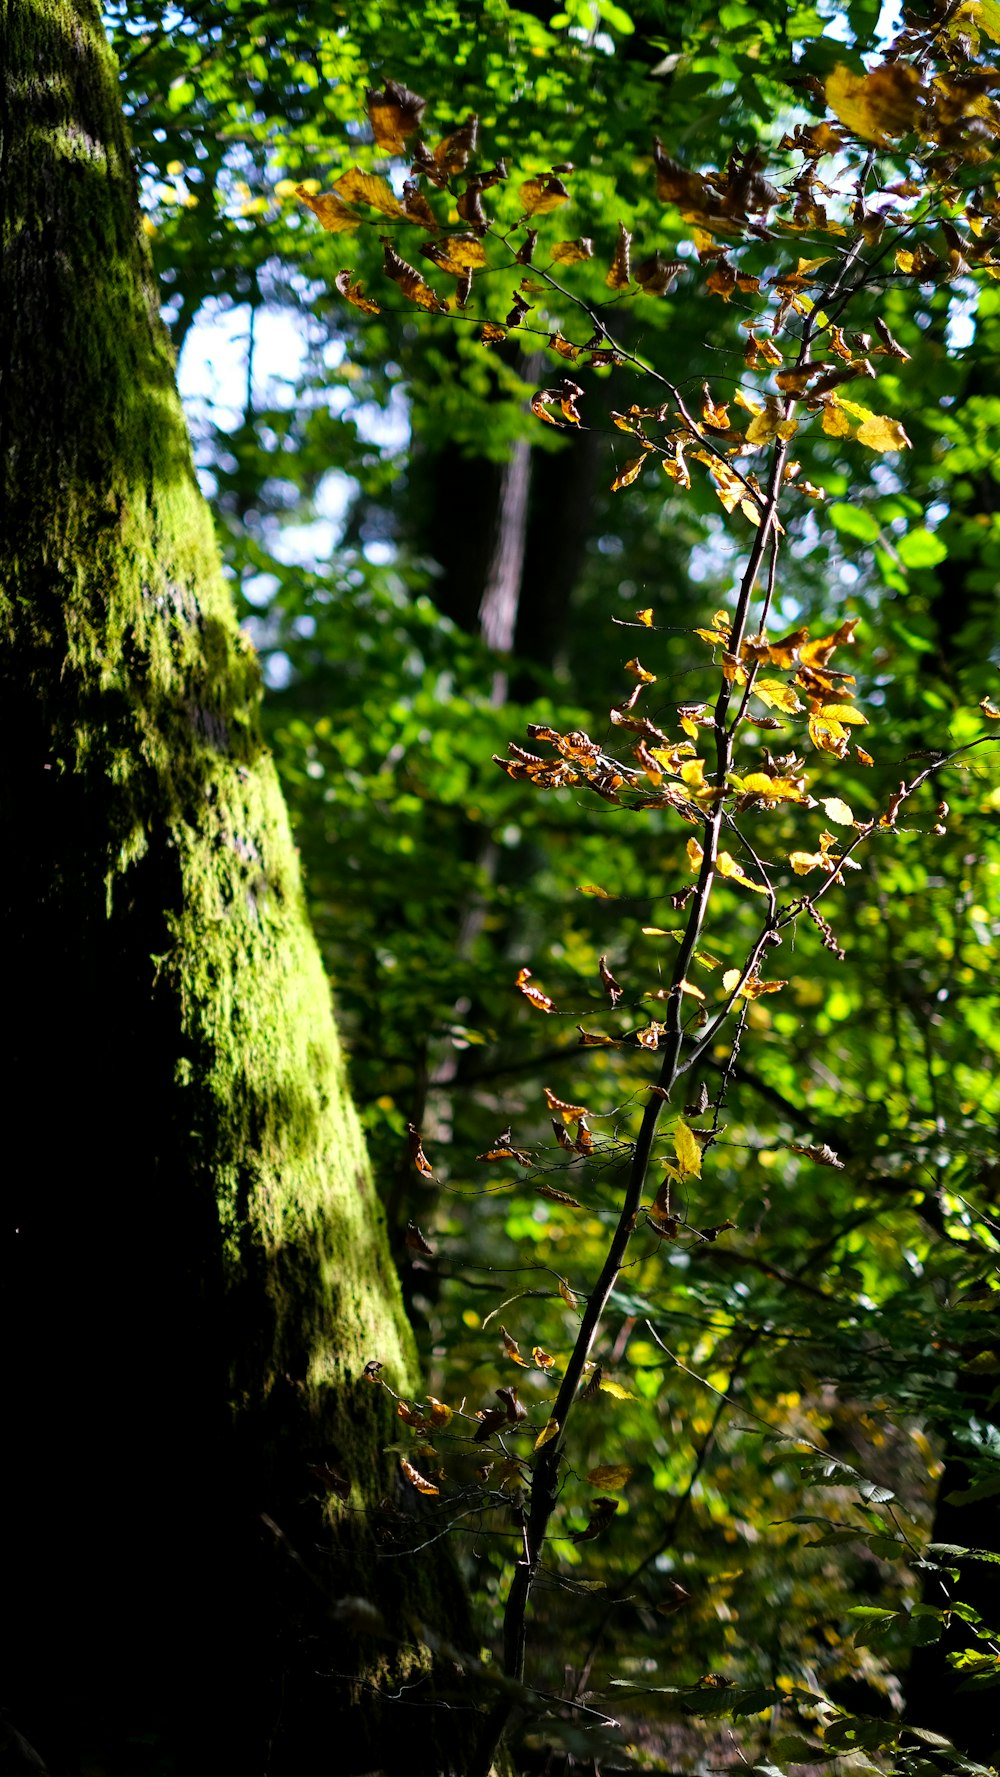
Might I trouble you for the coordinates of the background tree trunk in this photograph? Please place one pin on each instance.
(196, 1269)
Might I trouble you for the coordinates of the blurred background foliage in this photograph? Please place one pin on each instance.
(426, 569)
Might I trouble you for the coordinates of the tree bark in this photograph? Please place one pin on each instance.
(195, 1265)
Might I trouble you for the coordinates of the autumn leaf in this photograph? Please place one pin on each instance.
(876, 106)
(394, 115)
(504, 1152)
(687, 1148)
(619, 274)
(727, 866)
(330, 210)
(559, 1196)
(776, 695)
(457, 255)
(611, 1476)
(572, 252)
(491, 334)
(645, 617)
(357, 187)
(545, 1436)
(439, 1414)
(541, 195)
(602, 1512)
(570, 1113)
(415, 1240)
(630, 473)
(655, 275)
(354, 293)
(608, 982)
(417, 1154)
(538, 999)
(416, 1479)
(409, 279)
(837, 811)
(820, 1152)
(989, 709)
(513, 1409)
(512, 1349)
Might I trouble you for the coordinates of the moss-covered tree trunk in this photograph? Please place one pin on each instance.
(195, 1268)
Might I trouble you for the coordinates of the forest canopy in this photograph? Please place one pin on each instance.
(610, 487)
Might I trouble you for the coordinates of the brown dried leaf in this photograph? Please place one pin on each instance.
(608, 982)
(612, 1475)
(512, 1349)
(619, 274)
(417, 1154)
(329, 209)
(541, 195)
(416, 1479)
(355, 293)
(357, 187)
(571, 252)
(538, 999)
(409, 279)
(394, 115)
(570, 1113)
(819, 1151)
(559, 1196)
(415, 1240)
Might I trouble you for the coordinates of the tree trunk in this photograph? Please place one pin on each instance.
(196, 1269)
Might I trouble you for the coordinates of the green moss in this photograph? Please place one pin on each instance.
(236, 1262)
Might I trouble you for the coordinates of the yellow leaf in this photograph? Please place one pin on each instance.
(882, 434)
(355, 293)
(541, 195)
(773, 789)
(844, 713)
(695, 853)
(512, 1349)
(416, 1479)
(458, 254)
(836, 423)
(989, 709)
(331, 212)
(439, 1413)
(770, 424)
(727, 866)
(837, 811)
(571, 252)
(731, 979)
(630, 473)
(689, 987)
(611, 1476)
(879, 105)
(687, 1148)
(645, 617)
(639, 672)
(356, 187)
(548, 1432)
(614, 1389)
(827, 735)
(804, 861)
(776, 695)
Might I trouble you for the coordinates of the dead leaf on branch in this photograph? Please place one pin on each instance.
(394, 114)
(330, 210)
(619, 274)
(878, 106)
(355, 293)
(409, 279)
(417, 1154)
(541, 195)
(417, 1480)
(538, 999)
